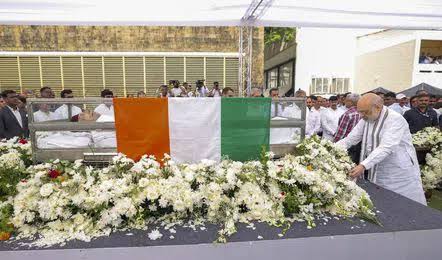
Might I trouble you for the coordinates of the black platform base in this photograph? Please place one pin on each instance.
(410, 231)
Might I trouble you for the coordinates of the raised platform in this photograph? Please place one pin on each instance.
(409, 231)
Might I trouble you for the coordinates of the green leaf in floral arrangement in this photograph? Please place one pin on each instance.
(6, 213)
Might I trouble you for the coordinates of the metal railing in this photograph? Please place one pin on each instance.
(40, 154)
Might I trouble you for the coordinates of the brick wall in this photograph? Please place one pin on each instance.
(131, 38)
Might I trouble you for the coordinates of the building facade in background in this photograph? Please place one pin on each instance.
(279, 66)
(392, 59)
(325, 59)
(125, 59)
(318, 60)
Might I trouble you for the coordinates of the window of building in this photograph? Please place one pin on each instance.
(329, 85)
(281, 77)
(285, 76)
(272, 77)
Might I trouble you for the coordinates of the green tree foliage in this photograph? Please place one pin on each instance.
(278, 34)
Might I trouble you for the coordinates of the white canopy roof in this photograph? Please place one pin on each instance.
(412, 14)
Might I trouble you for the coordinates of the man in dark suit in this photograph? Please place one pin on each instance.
(13, 121)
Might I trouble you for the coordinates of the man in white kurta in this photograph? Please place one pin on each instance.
(387, 150)
(312, 119)
(43, 114)
(330, 119)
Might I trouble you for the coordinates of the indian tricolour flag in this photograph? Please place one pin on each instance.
(192, 129)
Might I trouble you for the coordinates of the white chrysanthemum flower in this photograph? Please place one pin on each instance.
(46, 189)
(155, 234)
(11, 160)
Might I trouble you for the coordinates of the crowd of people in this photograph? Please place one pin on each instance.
(14, 118)
(427, 58)
(376, 128)
(332, 118)
(175, 89)
(335, 117)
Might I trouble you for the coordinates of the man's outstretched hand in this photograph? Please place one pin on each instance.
(357, 171)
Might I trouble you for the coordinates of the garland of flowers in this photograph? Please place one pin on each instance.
(431, 172)
(61, 201)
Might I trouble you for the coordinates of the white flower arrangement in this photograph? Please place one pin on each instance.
(431, 172)
(62, 201)
(428, 137)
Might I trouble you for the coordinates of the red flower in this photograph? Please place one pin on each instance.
(53, 173)
(24, 181)
(23, 141)
(282, 193)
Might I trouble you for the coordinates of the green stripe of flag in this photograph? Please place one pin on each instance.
(245, 127)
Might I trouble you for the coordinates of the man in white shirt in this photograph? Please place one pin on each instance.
(44, 114)
(177, 90)
(216, 91)
(400, 105)
(341, 102)
(330, 119)
(107, 108)
(276, 109)
(201, 89)
(62, 112)
(317, 106)
(313, 118)
(188, 88)
(387, 151)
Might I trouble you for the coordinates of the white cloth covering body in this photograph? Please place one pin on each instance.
(286, 135)
(68, 139)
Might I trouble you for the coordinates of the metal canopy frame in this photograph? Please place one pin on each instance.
(255, 10)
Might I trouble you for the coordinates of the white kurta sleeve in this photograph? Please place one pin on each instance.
(326, 126)
(390, 139)
(354, 137)
(308, 123)
(317, 122)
